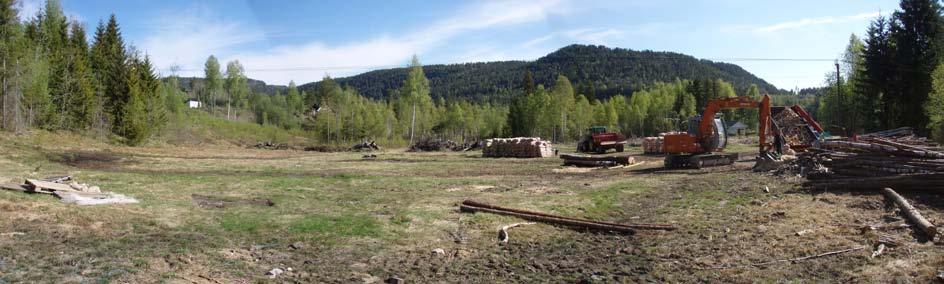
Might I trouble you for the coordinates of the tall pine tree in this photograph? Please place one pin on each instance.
(916, 31)
(109, 65)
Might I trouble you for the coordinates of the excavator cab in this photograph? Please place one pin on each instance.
(718, 139)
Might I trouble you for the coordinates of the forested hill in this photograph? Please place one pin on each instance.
(596, 70)
(187, 84)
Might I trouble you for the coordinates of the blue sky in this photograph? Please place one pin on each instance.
(278, 41)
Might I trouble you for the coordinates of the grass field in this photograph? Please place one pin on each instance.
(340, 218)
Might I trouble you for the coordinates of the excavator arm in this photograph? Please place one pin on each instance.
(705, 127)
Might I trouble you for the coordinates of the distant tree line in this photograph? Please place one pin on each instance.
(51, 78)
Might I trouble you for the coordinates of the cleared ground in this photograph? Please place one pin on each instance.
(340, 218)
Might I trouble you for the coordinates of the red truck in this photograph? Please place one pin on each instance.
(598, 140)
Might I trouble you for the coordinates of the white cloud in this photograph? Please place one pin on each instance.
(597, 36)
(29, 8)
(593, 36)
(186, 38)
(192, 36)
(814, 22)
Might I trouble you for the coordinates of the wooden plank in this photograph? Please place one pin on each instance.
(15, 187)
(49, 185)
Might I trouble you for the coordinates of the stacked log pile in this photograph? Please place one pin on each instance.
(521, 147)
(653, 145)
(873, 162)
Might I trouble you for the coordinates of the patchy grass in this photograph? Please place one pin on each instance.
(338, 218)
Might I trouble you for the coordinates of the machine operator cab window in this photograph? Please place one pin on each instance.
(718, 139)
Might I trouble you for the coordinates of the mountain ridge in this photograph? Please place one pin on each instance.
(599, 70)
(594, 70)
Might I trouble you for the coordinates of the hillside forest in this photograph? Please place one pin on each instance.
(54, 78)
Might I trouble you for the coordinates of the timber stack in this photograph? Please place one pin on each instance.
(653, 145)
(521, 147)
(874, 161)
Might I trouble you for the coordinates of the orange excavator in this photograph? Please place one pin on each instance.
(706, 139)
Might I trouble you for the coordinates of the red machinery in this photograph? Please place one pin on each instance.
(698, 148)
(599, 140)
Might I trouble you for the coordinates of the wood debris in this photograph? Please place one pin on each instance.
(436, 144)
(503, 231)
(73, 192)
(791, 260)
(207, 201)
(878, 250)
(365, 146)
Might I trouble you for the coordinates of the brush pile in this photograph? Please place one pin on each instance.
(269, 145)
(522, 147)
(796, 131)
(434, 144)
(874, 161)
(365, 146)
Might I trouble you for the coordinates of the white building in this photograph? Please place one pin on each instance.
(193, 103)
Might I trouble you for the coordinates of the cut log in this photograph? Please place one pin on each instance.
(911, 212)
(622, 160)
(473, 206)
(590, 225)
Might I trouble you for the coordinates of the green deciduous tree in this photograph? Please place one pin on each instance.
(934, 109)
(213, 82)
(413, 99)
(237, 87)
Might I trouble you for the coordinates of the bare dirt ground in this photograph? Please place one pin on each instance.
(338, 218)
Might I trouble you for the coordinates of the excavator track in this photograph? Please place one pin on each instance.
(700, 160)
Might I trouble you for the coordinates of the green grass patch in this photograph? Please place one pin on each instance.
(244, 223)
(341, 226)
(607, 200)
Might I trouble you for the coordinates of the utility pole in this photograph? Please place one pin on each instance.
(412, 123)
(839, 98)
